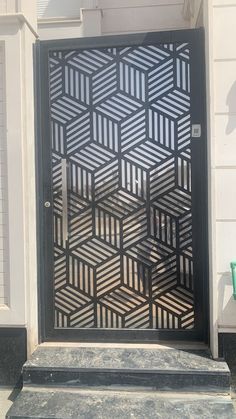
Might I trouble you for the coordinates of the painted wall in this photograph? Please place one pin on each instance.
(219, 20)
(106, 17)
(224, 84)
(24, 7)
(127, 16)
(110, 17)
(58, 8)
(18, 305)
(13, 312)
(4, 254)
(8, 6)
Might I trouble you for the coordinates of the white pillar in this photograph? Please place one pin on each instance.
(17, 35)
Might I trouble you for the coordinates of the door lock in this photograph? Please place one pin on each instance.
(196, 130)
(47, 204)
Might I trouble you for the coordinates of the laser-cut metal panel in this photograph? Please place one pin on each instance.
(123, 245)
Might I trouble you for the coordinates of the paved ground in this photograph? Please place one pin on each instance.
(7, 396)
(5, 403)
(230, 358)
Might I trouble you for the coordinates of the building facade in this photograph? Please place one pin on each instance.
(23, 24)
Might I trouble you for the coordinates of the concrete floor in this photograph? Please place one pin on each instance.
(5, 403)
(7, 396)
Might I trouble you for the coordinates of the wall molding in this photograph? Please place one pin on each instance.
(17, 18)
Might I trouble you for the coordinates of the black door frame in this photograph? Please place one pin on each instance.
(195, 37)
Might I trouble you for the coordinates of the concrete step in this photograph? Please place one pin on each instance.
(100, 404)
(154, 368)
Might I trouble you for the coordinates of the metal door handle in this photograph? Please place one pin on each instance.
(64, 201)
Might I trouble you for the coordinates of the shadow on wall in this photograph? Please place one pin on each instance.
(226, 302)
(230, 102)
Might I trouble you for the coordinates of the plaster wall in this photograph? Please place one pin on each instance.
(19, 303)
(58, 19)
(4, 251)
(58, 8)
(19, 307)
(220, 31)
(224, 114)
(13, 311)
(119, 16)
(8, 6)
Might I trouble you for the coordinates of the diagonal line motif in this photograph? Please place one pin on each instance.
(121, 118)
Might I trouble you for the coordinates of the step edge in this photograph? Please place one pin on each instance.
(194, 397)
(125, 370)
(125, 388)
(98, 390)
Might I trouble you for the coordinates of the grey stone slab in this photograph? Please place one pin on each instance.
(159, 369)
(156, 381)
(133, 359)
(12, 354)
(5, 401)
(120, 405)
(227, 349)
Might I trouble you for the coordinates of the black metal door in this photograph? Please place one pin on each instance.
(122, 181)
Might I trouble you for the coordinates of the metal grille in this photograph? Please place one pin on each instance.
(121, 163)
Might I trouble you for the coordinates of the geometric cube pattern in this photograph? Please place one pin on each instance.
(120, 119)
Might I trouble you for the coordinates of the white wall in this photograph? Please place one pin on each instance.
(14, 312)
(58, 8)
(127, 16)
(8, 6)
(28, 9)
(4, 254)
(110, 17)
(106, 17)
(18, 36)
(219, 19)
(224, 62)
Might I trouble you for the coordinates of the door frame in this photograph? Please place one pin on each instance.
(195, 37)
